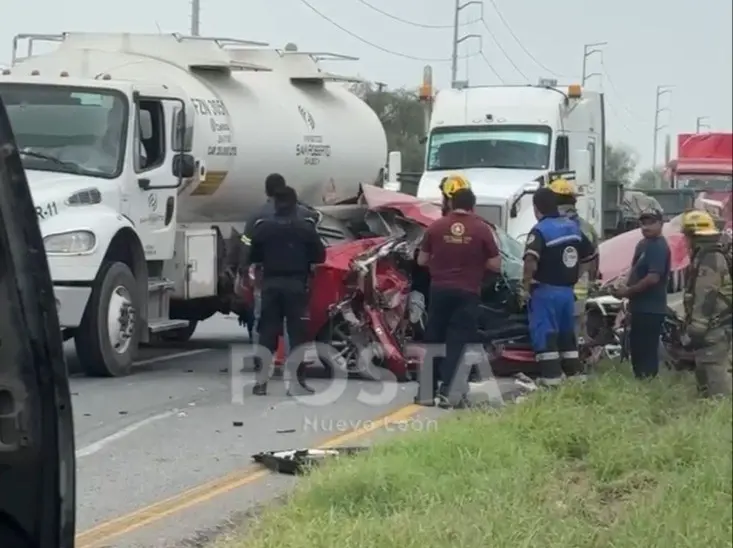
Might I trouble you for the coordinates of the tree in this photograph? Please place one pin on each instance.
(403, 118)
(620, 164)
(649, 178)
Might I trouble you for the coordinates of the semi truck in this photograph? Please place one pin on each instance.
(144, 151)
(509, 140)
(704, 164)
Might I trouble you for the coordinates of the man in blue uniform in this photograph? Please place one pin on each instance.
(286, 247)
(555, 249)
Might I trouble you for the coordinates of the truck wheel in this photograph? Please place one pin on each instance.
(180, 335)
(107, 339)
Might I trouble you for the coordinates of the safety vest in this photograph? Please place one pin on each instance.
(581, 288)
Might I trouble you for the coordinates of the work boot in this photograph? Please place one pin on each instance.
(550, 382)
(260, 389)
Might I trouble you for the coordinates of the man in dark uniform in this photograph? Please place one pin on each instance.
(458, 249)
(286, 246)
(274, 183)
(555, 249)
(646, 290)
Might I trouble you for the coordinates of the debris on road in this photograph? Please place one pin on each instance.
(297, 461)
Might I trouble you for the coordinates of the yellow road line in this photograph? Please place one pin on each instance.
(103, 533)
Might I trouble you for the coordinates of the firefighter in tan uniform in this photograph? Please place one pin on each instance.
(708, 306)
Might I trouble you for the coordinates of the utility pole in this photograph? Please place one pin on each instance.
(458, 39)
(661, 90)
(700, 123)
(588, 50)
(195, 17)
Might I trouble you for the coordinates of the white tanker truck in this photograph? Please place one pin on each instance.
(142, 151)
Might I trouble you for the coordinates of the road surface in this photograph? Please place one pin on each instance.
(145, 440)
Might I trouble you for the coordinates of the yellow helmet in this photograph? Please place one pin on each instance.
(563, 187)
(699, 223)
(452, 184)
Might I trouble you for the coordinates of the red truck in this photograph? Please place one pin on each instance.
(705, 164)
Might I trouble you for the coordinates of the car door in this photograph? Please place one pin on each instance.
(37, 464)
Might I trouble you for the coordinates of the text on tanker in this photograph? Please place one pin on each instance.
(312, 149)
(209, 107)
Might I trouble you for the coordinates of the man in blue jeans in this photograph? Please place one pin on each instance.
(646, 290)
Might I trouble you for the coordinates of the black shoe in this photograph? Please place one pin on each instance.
(260, 389)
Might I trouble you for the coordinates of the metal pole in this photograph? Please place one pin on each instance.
(195, 17)
(588, 50)
(661, 90)
(457, 40)
(454, 56)
(700, 125)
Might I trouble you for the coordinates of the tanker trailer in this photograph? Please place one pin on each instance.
(142, 151)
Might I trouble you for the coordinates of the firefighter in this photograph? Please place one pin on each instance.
(448, 187)
(566, 202)
(457, 250)
(554, 252)
(287, 247)
(707, 304)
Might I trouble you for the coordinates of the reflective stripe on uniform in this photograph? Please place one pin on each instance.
(563, 239)
(570, 355)
(245, 240)
(547, 356)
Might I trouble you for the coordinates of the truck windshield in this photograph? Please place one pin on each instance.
(68, 129)
(707, 182)
(509, 147)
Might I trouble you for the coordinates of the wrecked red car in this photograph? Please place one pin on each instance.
(369, 298)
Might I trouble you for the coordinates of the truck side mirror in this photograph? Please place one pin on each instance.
(394, 168)
(184, 166)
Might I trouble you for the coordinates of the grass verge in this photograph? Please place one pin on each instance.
(612, 463)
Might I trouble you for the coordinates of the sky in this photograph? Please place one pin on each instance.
(686, 45)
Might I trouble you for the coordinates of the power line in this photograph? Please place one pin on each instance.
(614, 89)
(502, 50)
(619, 117)
(491, 67)
(367, 42)
(521, 45)
(409, 22)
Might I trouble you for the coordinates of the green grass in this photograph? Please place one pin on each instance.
(612, 463)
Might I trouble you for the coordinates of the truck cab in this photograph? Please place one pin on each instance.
(509, 140)
(704, 165)
(104, 160)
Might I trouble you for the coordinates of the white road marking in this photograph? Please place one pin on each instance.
(173, 356)
(101, 444)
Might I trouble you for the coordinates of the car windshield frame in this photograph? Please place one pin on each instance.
(17, 91)
(540, 132)
(511, 251)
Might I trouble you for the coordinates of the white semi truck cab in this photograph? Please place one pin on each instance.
(509, 140)
(143, 151)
